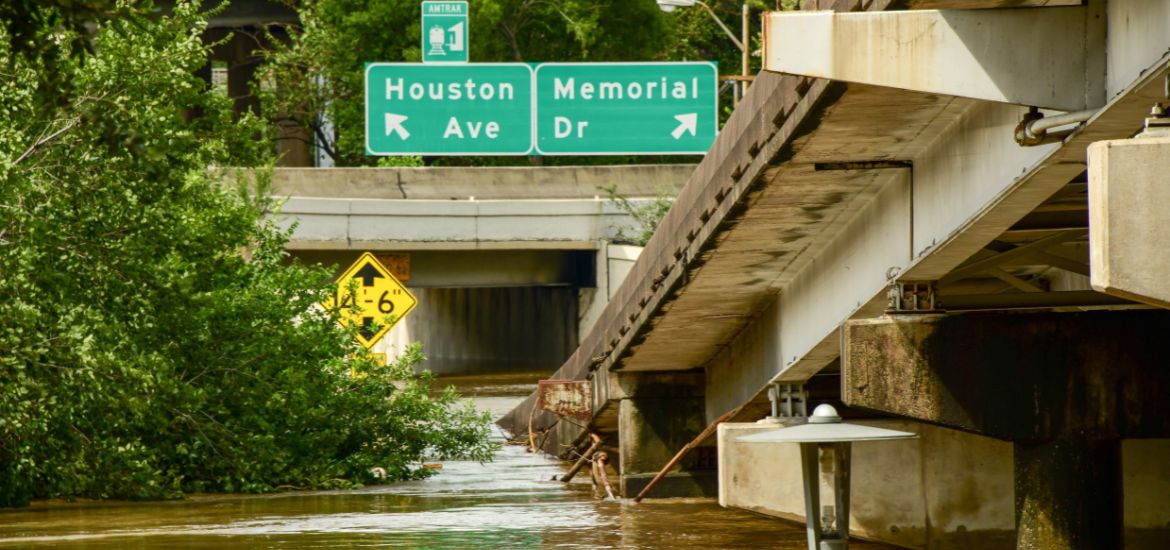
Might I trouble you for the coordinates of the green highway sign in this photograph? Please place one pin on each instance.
(554, 109)
(474, 109)
(626, 108)
(444, 32)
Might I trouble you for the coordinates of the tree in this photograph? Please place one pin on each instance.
(645, 215)
(153, 340)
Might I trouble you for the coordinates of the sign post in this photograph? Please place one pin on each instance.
(479, 109)
(625, 108)
(377, 296)
(444, 32)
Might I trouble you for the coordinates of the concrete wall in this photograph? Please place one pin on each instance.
(356, 224)
(1145, 470)
(972, 163)
(489, 330)
(619, 259)
(828, 288)
(612, 264)
(946, 489)
(499, 183)
(753, 358)
(479, 268)
(1137, 36)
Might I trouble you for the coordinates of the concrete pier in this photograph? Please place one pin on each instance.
(1065, 388)
(659, 414)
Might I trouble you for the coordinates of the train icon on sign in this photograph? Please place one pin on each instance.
(446, 40)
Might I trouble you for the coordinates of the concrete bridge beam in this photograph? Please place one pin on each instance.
(1045, 57)
(1128, 238)
(1100, 375)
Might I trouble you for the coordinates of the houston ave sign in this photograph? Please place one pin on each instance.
(549, 109)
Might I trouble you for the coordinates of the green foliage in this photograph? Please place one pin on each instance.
(646, 215)
(407, 161)
(319, 71)
(152, 341)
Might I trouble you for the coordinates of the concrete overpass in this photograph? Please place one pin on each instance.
(858, 201)
(510, 264)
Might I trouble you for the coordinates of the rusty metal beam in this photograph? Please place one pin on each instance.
(1029, 300)
(1021, 284)
(981, 266)
(1060, 262)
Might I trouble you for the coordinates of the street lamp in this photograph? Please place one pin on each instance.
(670, 5)
(825, 444)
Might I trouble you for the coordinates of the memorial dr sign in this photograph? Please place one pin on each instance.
(625, 108)
(552, 109)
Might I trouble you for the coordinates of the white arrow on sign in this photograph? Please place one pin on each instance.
(394, 124)
(688, 122)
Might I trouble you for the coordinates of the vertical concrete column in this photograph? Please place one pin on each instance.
(293, 145)
(241, 67)
(659, 414)
(1068, 494)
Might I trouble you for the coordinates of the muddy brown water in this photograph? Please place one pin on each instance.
(510, 502)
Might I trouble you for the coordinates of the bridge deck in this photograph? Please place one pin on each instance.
(789, 172)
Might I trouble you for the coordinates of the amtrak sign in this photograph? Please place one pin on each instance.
(444, 32)
(546, 109)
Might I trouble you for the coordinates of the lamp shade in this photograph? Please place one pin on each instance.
(825, 426)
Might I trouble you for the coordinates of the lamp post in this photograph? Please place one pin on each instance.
(670, 5)
(825, 451)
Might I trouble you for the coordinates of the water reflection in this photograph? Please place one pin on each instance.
(508, 503)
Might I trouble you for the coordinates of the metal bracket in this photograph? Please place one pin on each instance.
(1158, 123)
(788, 401)
(911, 297)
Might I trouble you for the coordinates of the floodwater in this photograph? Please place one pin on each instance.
(508, 503)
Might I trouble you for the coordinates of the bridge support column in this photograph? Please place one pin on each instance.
(1068, 494)
(659, 414)
(1065, 388)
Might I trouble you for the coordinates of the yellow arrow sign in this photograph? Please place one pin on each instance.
(380, 299)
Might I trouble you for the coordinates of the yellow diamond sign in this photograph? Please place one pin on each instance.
(380, 298)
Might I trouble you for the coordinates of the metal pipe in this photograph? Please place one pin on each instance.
(686, 449)
(726, 30)
(600, 463)
(1034, 128)
(581, 461)
(744, 53)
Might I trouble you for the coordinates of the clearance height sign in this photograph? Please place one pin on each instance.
(549, 109)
